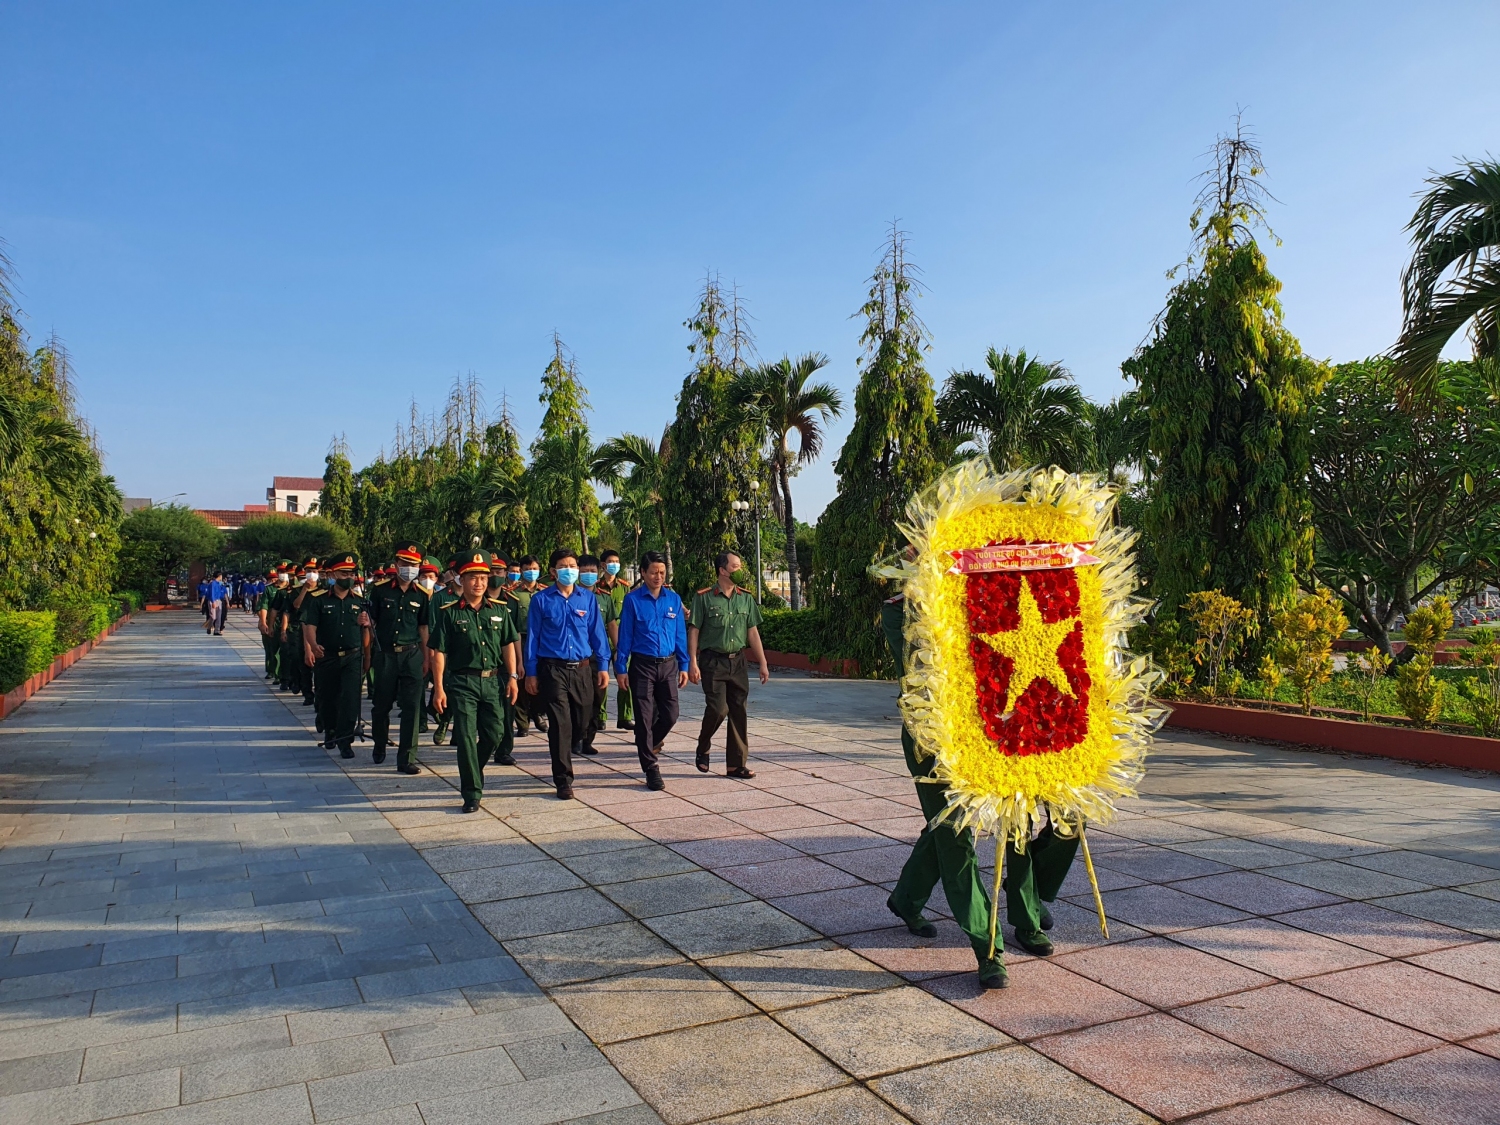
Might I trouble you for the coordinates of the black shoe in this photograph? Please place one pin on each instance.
(701, 762)
(346, 752)
(625, 724)
(919, 925)
(306, 702)
(1034, 942)
(992, 973)
(410, 767)
(587, 749)
(654, 781)
(1046, 918)
(471, 806)
(440, 737)
(505, 761)
(379, 755)
(522, 732)
(541, 725)
(564, 792)
(744, 773)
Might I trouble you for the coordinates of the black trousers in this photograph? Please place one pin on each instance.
(653, 685)
(726, 688)
(340, 679)
(566, 692)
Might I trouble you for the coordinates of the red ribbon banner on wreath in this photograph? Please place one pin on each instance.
(997, 557)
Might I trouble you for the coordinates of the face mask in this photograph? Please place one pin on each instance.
(567, 575)
(429, 583)
(332, 582)
(588, 578)
(312, 578)
(406, 573)
(611, 569)
(513, 576)
(531, 575)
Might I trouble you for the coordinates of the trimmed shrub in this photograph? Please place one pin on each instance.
(130, 601)
(79, 618)
(791, 630)
(28, 642)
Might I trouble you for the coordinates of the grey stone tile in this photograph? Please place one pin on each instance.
(437, 978)
(61, 960)
(360, 1018)
(1011, 1085)
(40, 1072)
(1248, 854)
(204, 986)
(503, 995)
(82, 980)
(513, 881)
(481, 856)
(417, 1082)
(387, 959)
(730, 929)
(66, 1034)
(286, 1105)
(649, 1003)
(610, 837)
(246, 1071)
(250, 953)
(641, 1114)
(496, 1029)
(271, 1002)
(588, 1095)
(1451, 908)
(548, 914)
(673, 894)
(773, 979)
(627, 864)
(1347, 880)
(599, 951)
(89, 1101)
(549, 1055)
(1432, 870)
(109, 1060)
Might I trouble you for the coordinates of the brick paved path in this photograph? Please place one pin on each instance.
(1290, 942)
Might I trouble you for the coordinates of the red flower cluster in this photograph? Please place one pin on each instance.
(1043, 719)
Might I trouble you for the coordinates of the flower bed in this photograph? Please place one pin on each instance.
(1408, 743)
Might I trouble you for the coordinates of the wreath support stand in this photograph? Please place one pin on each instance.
(1088, 862)
(995, 901)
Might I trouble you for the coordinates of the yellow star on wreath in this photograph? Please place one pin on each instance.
(1032, 648)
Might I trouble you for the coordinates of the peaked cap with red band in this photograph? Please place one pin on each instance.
(476, 561)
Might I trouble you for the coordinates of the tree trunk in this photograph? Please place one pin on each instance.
(794, 578)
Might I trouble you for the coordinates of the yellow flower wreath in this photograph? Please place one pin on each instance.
(1017, 678)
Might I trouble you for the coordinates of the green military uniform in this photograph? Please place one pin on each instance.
(441, 599)
(614, 588)
(528, 707)
(399, 616)
(339, 674)
(293, 671)
(270, 642)
(473, 641)
(723, 625)
(939, 852)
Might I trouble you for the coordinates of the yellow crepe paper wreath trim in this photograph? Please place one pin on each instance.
(1008, 794)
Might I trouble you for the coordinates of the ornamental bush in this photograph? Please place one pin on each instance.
(28, 641)
(80, 617)
(791, 630)
(1418, 691)
(1305, 635)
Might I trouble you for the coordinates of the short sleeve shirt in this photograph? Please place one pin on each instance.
(336, 620)
(398, 614)
(724, 623)
(474, 640)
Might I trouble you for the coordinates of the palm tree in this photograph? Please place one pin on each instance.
(776, 400)
(1453, 278)
(563, 473)
(1025, 412)
(1119, 430)
(647, 462)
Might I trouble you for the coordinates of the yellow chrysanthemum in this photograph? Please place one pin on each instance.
(1044, 707)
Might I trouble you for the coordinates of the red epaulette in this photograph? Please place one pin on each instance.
(706, 589)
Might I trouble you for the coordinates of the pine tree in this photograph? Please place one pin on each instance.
(712, 457)
(563, 507)
(890, 455)
(563, 395)
(1227, 391)
(337, 500)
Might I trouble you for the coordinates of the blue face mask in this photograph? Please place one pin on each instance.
(567, 575)
(611, 569)
(531, 575)
(588, 578)
(513, 575)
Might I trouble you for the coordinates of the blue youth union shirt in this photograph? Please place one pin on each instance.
(571, 628)
(652, 627)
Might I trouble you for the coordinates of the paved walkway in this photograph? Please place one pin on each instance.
(1295, 937)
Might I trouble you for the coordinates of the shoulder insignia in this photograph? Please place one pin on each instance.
(742, 590)
(316, 593)
(705, 589)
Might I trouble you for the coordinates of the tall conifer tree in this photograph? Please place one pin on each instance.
(890, 454)
(1227, 392)
(564, 510)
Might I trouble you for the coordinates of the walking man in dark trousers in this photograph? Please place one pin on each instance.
(528, 706)
(567, 661)
(398, 614)
(725, 621)
(652, 657)
(338, 652)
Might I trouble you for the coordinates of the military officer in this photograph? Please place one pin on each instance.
(528, 708)
(276, 581)
(474, 671)
(725, 620)
(939, 853)
(443, 595)
(338, 651)
(616, 587)
(292, 651)
(399, 615)
(427, 575)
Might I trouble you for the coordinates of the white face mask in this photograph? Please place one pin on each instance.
(359, 588)
(312, 578)
(406, 573)
(428, 583)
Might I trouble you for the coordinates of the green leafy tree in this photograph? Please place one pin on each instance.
(336, 502)
(1227, 391)
(776, 400)
(1119, 431)
(1453, 278)
(1023, 412)
(1404, 501)
(636, 468)
(160, 541)
(891, 453)
(713, 457)
(268, 538)
(560, 493)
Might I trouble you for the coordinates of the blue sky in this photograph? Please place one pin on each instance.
(257, 226)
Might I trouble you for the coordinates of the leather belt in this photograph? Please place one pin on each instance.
(483, 674)
(402, 648)
(721, 652)
(557, 662)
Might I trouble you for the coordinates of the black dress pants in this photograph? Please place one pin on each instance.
(653, 686)
(566, 692)
(726, 687)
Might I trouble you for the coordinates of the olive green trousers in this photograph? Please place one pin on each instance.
(481, 726)
(397, 682)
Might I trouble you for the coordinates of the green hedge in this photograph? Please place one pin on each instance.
(129, 601)
(81, 619)
(28, 642)
(791, 630)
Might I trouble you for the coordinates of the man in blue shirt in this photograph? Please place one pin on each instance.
(567, 661)
(218, 603)
(653, 647)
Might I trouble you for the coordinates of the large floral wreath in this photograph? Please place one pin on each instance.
(1019, 591)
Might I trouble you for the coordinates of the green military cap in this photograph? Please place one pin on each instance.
(430, 565)
(343, 565)
(475, 561)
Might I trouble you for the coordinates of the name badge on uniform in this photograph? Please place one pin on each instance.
(581, 612)
(496, 620)
(672, 613)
